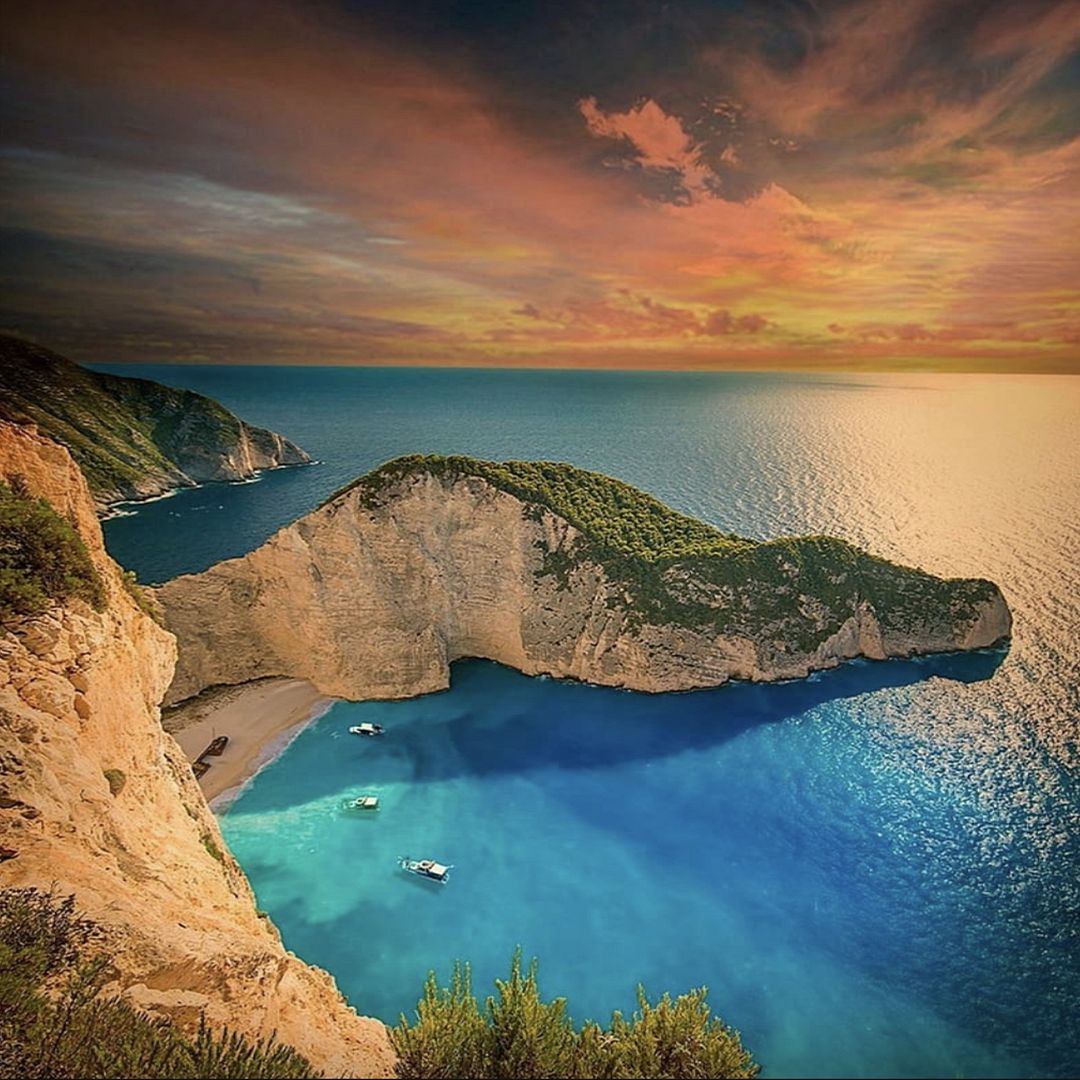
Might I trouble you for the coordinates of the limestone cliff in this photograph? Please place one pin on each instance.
(133, 438)
(550, 570)
(79, 696)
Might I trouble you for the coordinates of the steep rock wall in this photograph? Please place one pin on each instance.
(375, 600)
(79, 695)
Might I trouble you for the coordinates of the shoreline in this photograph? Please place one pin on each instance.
(260, 719)
(118, 508)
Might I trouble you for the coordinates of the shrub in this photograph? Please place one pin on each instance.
(56, 1022)
(212, 849)
(42, 557)
(145, 600)
(517, 1034)
(117, 778)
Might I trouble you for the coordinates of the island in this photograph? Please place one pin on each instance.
(133, 438)
(552, 570)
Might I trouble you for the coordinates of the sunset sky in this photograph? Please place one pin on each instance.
(698, 183)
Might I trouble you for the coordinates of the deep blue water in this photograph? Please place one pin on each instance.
(876, 871)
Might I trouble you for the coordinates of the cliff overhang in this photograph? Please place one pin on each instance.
(552, 570)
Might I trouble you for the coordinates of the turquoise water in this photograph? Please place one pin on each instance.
(875, 871)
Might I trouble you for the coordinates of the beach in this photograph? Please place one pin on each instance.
(258, 718)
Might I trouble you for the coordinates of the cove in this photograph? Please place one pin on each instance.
(789, 846)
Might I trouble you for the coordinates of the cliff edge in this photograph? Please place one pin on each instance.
(96, 798)
(550, 570)
(133, 438)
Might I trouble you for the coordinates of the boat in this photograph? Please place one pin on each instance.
(364, 802)
(366, 729)
(427, 868)
(216, 747)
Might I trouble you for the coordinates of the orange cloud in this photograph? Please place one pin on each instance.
(270, 181)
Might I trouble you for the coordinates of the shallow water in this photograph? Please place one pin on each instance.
(876, 871)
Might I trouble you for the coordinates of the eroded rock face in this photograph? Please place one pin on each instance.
(79, 695)
(375, 597)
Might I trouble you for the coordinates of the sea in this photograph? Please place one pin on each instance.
(875, 871)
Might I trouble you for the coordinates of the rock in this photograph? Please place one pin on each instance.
(138, 865)
(79, 680)
(133, 438)
(50, 694)
(427, 560)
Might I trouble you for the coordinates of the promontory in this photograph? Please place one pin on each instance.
(551, 570)
(133, 438)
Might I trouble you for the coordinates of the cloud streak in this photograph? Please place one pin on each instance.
(870, 183)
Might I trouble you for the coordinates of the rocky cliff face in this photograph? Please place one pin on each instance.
(79, 696)
(375, 594)
(133, 438)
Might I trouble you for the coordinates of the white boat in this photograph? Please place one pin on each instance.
(366, 729)
(365, 802)
(427, 868)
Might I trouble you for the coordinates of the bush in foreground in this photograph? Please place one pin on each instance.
(42, 557)
(517, 1034)
(56, 1022)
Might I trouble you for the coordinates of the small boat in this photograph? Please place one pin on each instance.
(365, 802)
(427, 868)
(366, 729)
(217, 746)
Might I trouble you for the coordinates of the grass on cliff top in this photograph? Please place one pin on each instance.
(42, 557)
(622, 520)
(56, 1020)
(679, 571)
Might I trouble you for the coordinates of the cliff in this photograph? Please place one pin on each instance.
(550, 570)
(96, 798)
(133, 438)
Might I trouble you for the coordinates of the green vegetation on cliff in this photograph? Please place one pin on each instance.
(619, 519)
(676, 570)
(42, 557)
(56, 1020)
(131, 437)
(519, 1034)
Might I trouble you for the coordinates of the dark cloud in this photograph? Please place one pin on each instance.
(386, 180)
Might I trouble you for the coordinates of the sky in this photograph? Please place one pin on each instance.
(694, 184)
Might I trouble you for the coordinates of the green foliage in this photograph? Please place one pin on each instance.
(450, 1038)
(619, 519)
(670, 569)
(121, 431)
(42, 557)
(671, 1038)
(117, 778)
(145, 600)
(212, 849)
(518, 1034)
(55, 1021)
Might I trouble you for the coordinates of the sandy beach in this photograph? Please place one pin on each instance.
(257, 717)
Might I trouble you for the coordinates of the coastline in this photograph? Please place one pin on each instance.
(260, 719)
(118, 508)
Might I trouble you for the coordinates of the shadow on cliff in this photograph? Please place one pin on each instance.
(495, 720)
